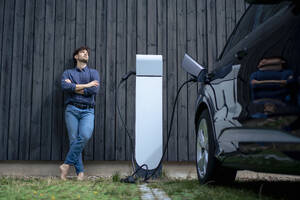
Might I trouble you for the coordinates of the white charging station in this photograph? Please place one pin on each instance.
(149, 111)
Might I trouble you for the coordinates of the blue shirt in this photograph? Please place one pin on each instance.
(78, 76)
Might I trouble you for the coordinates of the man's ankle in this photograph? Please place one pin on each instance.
(80, 176)
(64, 168)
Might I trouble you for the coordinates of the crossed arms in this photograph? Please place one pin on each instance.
(79, 88)
(87, 89)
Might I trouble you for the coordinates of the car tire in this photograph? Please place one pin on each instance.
(208, 167)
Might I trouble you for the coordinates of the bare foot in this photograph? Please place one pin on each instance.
(64, 168)
(80, 176)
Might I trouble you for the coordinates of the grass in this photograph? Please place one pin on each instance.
(243, 190)
(53, 188)
(116, 177)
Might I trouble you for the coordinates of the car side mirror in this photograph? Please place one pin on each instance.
(193, 68)
(241, 54)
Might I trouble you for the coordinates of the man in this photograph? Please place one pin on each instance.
(81, 84)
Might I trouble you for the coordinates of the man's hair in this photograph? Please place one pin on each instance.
(78, 50)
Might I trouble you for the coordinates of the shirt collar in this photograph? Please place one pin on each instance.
(83, 70)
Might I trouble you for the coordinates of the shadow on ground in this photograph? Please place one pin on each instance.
(272, 189)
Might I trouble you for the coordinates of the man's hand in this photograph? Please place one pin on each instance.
(68, 81)
(94, 83)
(80, 87)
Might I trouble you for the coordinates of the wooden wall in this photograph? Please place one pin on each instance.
(37, 38)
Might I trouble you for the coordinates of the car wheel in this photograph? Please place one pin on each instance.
(208, 167)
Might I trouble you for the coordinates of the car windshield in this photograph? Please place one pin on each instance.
(255, 16)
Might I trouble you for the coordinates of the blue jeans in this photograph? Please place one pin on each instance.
(80, 125)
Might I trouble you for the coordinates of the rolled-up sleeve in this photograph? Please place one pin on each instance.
(93, 90)
(68, 87)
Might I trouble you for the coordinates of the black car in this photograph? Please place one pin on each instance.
(248, 107)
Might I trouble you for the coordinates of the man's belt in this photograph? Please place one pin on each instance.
(81, 105)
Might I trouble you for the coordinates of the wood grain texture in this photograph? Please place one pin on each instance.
(26, 87)
(120, 70)
(47, 104)
(16, 75)
(110, 118)
(58, 68)
(37, 84)
(171, 77)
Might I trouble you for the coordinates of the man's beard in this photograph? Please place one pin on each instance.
(83, 60)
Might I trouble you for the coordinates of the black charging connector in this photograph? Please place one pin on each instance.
(131, 179)
(126, 76)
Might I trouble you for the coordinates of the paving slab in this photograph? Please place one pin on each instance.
(152, 193)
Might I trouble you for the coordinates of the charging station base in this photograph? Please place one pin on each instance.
(142, 173)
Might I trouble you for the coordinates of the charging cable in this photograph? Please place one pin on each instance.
(131, 179)
(193, 79)
(124, 78)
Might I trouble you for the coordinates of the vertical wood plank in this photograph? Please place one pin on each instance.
(38, 64)
(70, 34)
(100, 109)
(48, 81)
(130, 84)
(211, 31)
(80, 23)
(58, 68)
(230, 17)
(120, 70)
(202, 32)
(192, 88)
(240, 9)
(90, 42)
(110, 120)
(142, 26)
(151, 27)
(182, 77)
(172, 79)
(70, 42)
(26, 87)
(221, 26)
(14, 106)
(6, 75)
(2, 5)
(162, 50)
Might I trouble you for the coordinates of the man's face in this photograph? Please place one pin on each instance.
(82, 56)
